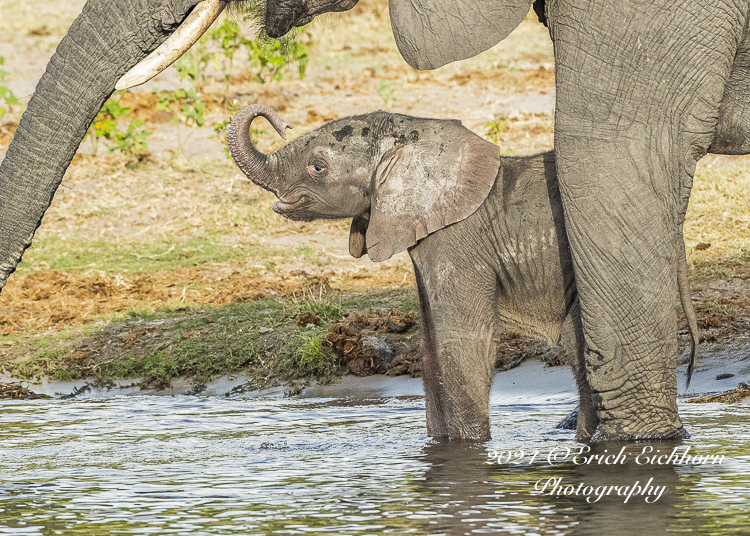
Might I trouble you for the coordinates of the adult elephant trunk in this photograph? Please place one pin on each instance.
(262, 169)
(103, 43)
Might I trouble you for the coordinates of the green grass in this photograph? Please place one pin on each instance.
(307, 355)
(202, 343)
(80, 255)
(721, 309)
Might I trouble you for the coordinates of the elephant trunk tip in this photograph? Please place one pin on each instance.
(248, 113)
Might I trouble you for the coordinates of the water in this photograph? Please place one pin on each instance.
(346, 464)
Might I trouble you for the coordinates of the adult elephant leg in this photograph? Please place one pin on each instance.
(733, 132)
(584, 419)
(637, 106)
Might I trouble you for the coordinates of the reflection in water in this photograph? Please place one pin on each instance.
(589, 498)
(188, 465)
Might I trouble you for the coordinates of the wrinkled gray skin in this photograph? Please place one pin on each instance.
(645, 88)
(483, 264)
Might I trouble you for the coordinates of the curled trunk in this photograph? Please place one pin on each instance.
(260, 168)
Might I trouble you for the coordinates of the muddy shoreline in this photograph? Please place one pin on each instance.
(293, 342)
(720, 377)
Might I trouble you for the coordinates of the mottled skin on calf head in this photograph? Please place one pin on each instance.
(486, 235)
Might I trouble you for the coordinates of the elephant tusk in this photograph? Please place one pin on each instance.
(191, 29)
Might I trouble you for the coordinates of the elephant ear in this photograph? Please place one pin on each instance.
(422, 186)
(431, 33)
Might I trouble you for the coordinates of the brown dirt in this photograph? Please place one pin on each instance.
(540, 79)
(7, 130)
(722, 306)
(53, 299)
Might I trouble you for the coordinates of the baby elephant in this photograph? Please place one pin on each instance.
(486, 235)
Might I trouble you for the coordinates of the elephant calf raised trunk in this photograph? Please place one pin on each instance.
(260, 168)
(486, 235)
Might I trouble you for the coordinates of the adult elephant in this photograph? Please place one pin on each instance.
(644, 89)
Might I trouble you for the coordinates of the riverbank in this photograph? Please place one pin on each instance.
(315, 337)
(173, 269)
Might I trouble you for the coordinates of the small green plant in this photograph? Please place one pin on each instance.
(230, 40)
(7, 98)
(721, 309)
(269, 58)
(494, 128)
(311, 357)
(132, 141)
(191, 67)
(105, 124)
(386, 90)
(186, 105)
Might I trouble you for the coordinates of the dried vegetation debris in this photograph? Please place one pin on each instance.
(513, 349)
(15, 391)
(54, 299)
(364, 354)
(741, 392)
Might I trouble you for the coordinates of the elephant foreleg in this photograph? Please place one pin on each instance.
(586, 418)
(457, 344)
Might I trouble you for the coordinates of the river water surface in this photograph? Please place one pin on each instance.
(356, 461)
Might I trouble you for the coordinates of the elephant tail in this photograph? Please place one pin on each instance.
(683, 284)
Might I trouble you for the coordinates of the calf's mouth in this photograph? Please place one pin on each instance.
(294, 210)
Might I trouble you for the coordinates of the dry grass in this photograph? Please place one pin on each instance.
(37, 19)
(718, 219)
